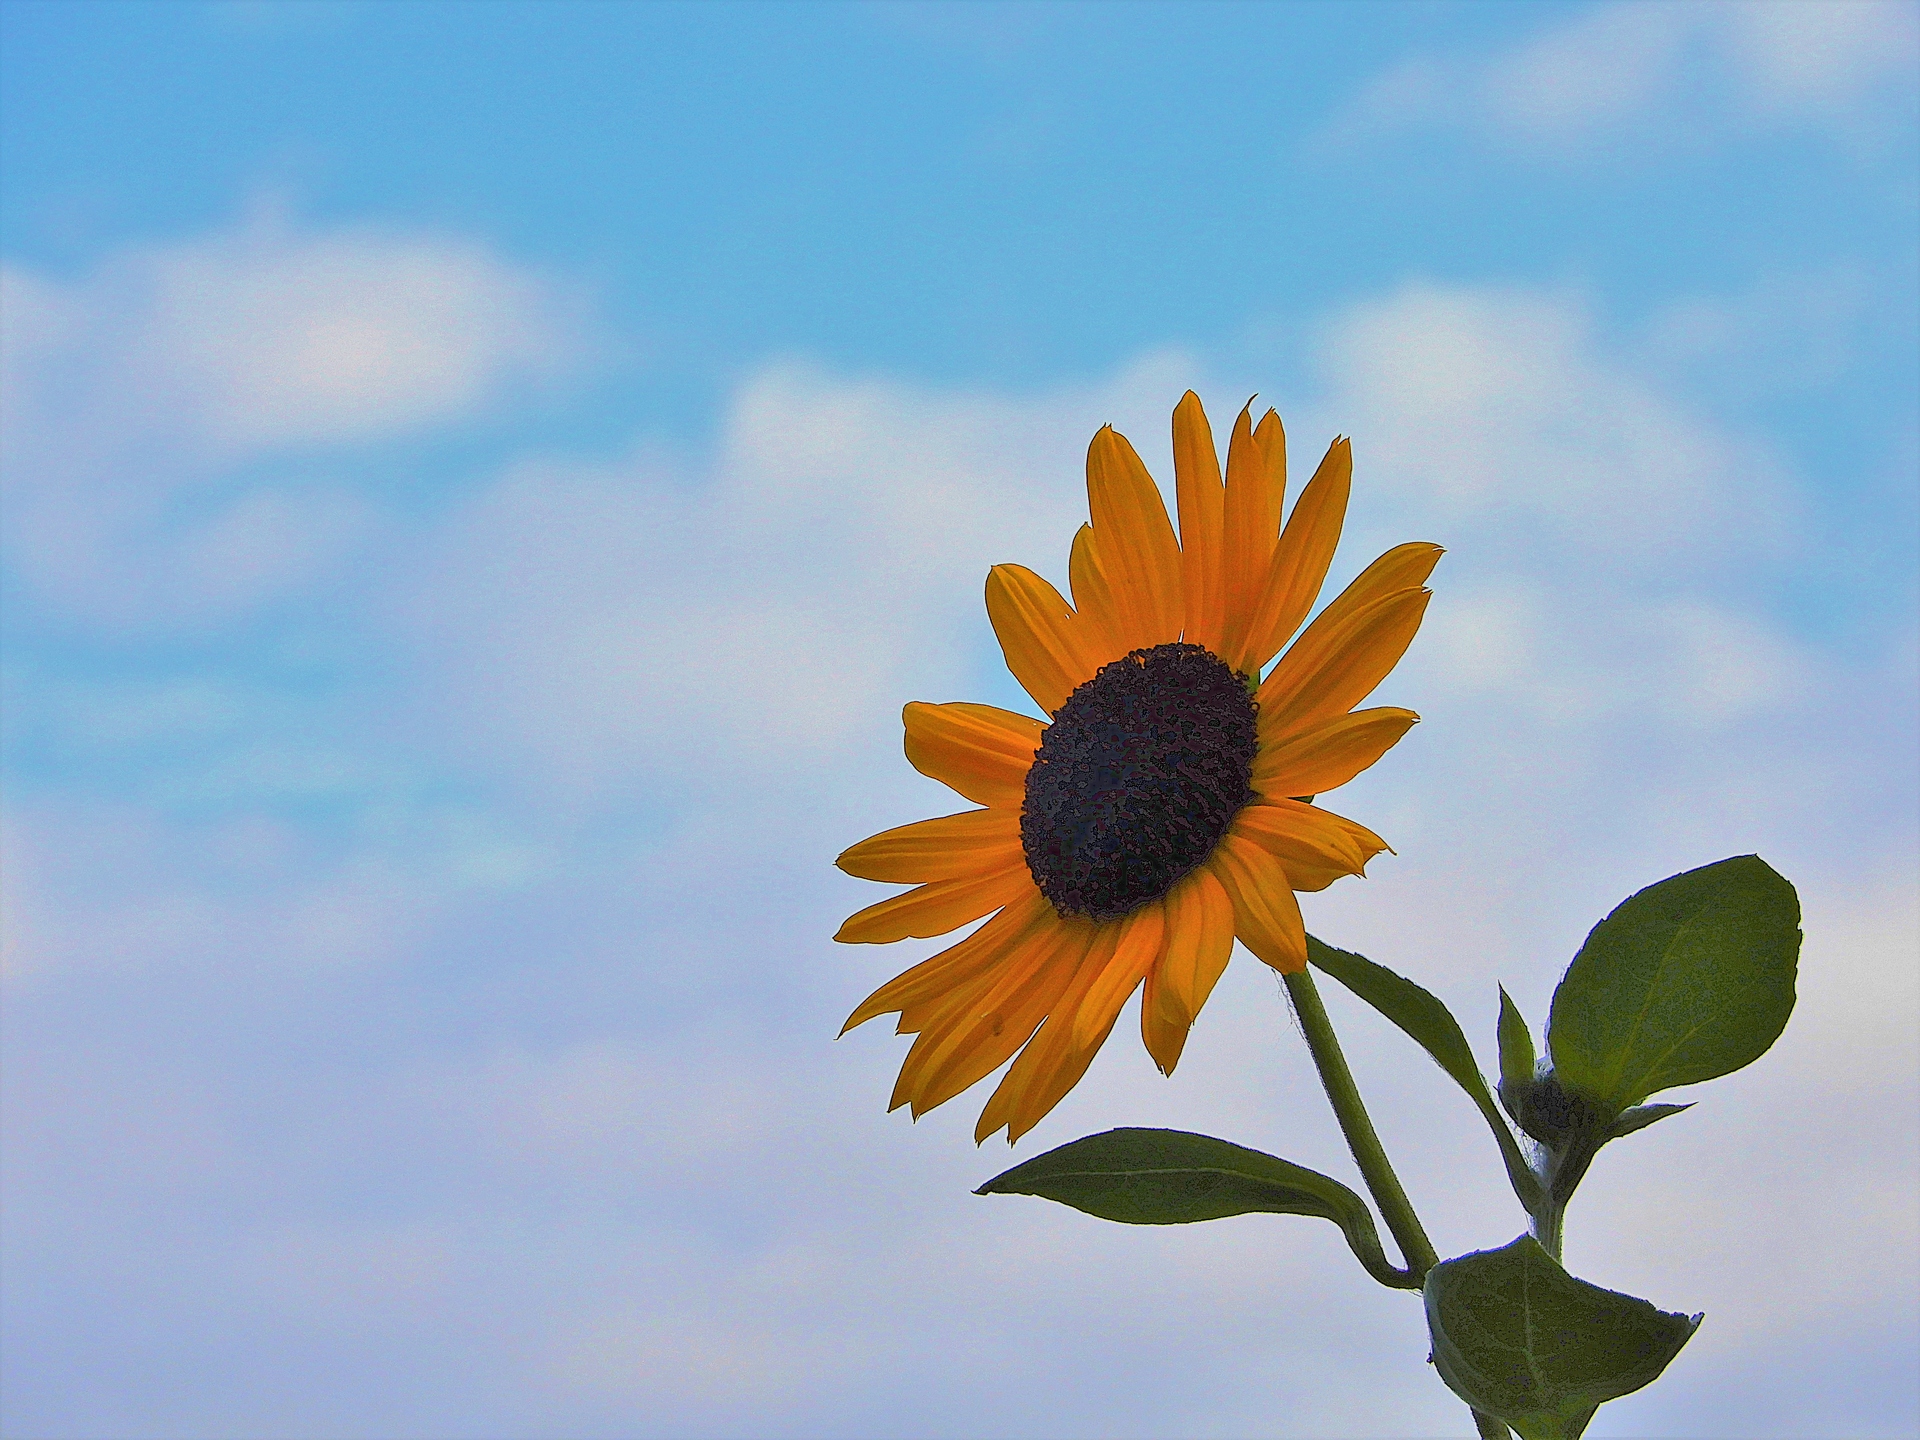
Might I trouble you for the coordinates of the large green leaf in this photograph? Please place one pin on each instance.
(1421, 1014)
(1518, 1337)
(1173, 1177)
(1686, 981)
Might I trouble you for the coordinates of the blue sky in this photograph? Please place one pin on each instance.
(480, 482)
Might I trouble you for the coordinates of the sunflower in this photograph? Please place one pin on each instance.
(1164, 808)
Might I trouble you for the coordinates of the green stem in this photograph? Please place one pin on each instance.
(1372, 1159)
(1547, 1226)
(1368, 1152)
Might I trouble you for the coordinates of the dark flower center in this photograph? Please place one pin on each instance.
(1136, 780)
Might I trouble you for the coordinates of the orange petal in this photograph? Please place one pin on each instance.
(1266, 917)
(1198, 944)
(1299, 835)
(1045, 1052)
(1094, 615)
(1105, 981)
(1035, 627)
(1316, 758)
(998, 1019)
(1405, 567)
(1329, 673)
(1306, 875)
(1121, 954)
(980, 751)
(1139, 946)
(929, 910)
(1196, 479)
(1256, 490)
(1137, 549)
(1302, 558)
(957, 965)
(948, 848)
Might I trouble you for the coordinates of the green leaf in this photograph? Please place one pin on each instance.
(1173, 1177)
(1422, 1015)
(1516, 1053)
(1686, 981)
(1641, 1116)
(1518, 1337)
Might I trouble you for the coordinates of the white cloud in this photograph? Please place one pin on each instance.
(1818, 59)
(595, 1128)
(1603, 535)
(1789, 331)
(272, 336)
(134, 394)
(1696, 73)
(1499, 408)
(103, 890)
(608, 624)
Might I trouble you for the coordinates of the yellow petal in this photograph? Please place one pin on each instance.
(1313, 759)
(957, 965)
(1198, 943)
(1037, 635)
(948, 848)
(1095, 618)
(1266, 917)
(929, 910)
(1196, 478)
(1328, 674)
(1302, 558)
(1138, 552)
(980, 751)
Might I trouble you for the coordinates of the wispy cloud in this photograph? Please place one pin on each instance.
(136, 395)
(1687, 72)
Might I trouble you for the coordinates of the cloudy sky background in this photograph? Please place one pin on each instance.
(481, 482)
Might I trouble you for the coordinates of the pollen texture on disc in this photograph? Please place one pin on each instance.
(1137, 778)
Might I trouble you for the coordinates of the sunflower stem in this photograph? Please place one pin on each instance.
(1348, 1108)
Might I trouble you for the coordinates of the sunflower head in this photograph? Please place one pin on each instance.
(1161, 810)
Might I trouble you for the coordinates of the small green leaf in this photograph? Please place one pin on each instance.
(1641, 1116)
(1518, 1337)
(1516, 1053)
(1422, 1015)
(1688, 980)
(1173, 1177)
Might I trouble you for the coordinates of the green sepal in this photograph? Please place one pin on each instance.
(1173, 1177)
(1641, 1116)
(1516, 1336)
(1686, 981)
(1422, 1015)
(1516, 1054)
